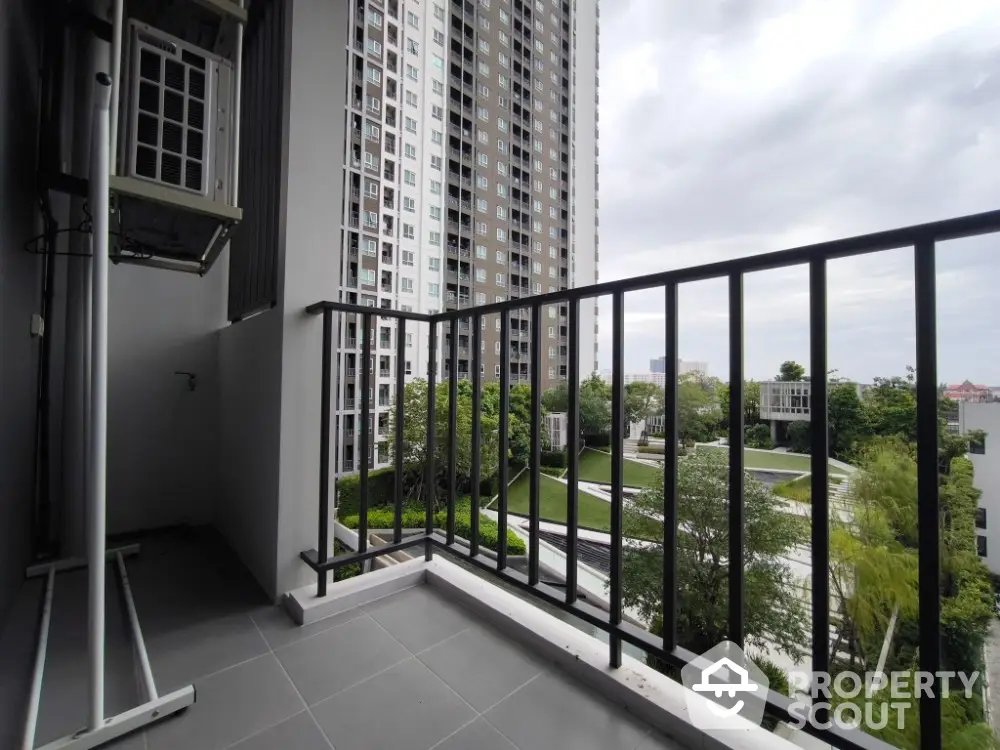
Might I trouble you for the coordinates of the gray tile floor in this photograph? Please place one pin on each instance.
(410, 671)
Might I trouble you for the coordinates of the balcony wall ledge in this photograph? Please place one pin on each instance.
(650, 695)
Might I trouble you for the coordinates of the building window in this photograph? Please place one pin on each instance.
(409, 205)
(371, 219)
(409, 340)
(410, 178)
(439, 12)
(411, 98)
(481, 182)
(484, 46)
(501, 212)
(481, 227)
(406, 258)
(503, 38)
(502, 146)
(435, 213)
(483, 160)
(481, 205)
(434, 264)
(980, 518)
(435, 238)
(408, 232)
(367, 276)
(409, 367)
(483, 114)
(410, 151)
(437, 87)
(480, 274)
(502, 124)
(436, 137)
(375, 76)
(411, 72)
(437, 112)
(412, 47)
(375, 18)
(434, 290)
(501, 281)
(405, 284)
(413, 20)
(481, 300)
(436, 162)
(538, 206)
(496, 371)
(435, 187)
(501, 257)
(502, 80)
(552, 332)
(981, 546)
(483, 68)
(501, 190)
(502, 168)
(496, 349)
(481, 253)
(438, 37)
(536, 267)
(375, 47)
(501, 234)
(483, 137)
(437, 62)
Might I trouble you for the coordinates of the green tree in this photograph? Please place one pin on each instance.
(800, 437)
(846, 420)
(642, 400)
(595, 406)
(774, 613)
(698, 412)
(757, 436)
(751, 403)
(791, 371)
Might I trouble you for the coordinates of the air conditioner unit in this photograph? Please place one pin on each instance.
(178, 118)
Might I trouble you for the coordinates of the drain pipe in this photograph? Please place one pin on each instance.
(98, 427)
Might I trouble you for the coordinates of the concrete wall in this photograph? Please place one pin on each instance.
(162, 436)
(310, 269)
(19, 288)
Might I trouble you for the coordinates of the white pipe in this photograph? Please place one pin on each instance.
(116, 73)
(98, 427)
(140, 644)
(36, 677)
(237, 106)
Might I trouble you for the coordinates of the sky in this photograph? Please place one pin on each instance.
(735, 127)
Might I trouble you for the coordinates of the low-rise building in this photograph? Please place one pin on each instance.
(973, 415)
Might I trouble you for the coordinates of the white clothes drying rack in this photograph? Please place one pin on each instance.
(100, 729)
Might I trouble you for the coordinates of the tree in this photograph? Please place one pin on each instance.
(800, 437)
(757, 436)
(595, 406)
(642, 400)
(698, 411)
(415, 435)
(556, 399)
(846, 420)
(774, 613)
(791, 371)
(751, 403)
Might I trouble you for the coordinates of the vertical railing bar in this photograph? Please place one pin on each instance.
(670, 459)
(617, 467)
(572, 448)
(820, 467)
(504, 438)
(736, 529)
(397, 528)
(431, 478)
(928, 501)
(535, 461)
(324, 452)
(452, 429)
(476, 322)
(366, 405)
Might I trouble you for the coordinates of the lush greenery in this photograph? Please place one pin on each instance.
(345, 571)
(415, 518)
(764, 460)
(415, 434)
(797, 489)
(595, 404)
(381, 491)
(592, 512)
(874, 573)
(595, 466)
(554, 459)
(774, 613)
(757, 436)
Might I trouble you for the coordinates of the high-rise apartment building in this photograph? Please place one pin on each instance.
(470, 177)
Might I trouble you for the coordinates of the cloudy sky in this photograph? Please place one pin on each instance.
(736, 127)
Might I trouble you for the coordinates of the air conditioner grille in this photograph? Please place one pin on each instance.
(171, 118)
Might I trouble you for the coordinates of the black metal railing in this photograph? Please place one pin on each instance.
(922, 238)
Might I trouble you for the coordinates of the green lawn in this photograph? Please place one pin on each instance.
(593, 512)
(755, 459)
(595, 466)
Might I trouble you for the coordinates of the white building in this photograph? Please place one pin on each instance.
(986, 417)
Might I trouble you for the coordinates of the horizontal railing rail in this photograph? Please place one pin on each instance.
(922, 238)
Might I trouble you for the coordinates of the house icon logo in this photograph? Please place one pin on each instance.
(722, 686)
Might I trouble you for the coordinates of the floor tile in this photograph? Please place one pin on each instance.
(555, 713)
(182, 656)
(479, 735)
(501, 666)
(339, 657)
(280, 630)
(297, 733)
(656, 741)
(419, 617)
(230, 706)
(404, 708)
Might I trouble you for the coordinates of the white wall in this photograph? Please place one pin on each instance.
(311, 267)
(19, 289)
(584, 177)
(162, 436)
(987, 471)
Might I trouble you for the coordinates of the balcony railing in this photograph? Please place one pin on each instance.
(923, 239)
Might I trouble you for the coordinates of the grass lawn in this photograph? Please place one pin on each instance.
(595, 466)
(593, 512)
(799, 489)
(755, 459)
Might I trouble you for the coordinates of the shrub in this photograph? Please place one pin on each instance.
(602, 440)
(551, 471)
(554, 459)
(650, 449)
(381, 491)
(798, 489)
(346, 571)
(659, 435)
(414, 518)
(757, 436)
